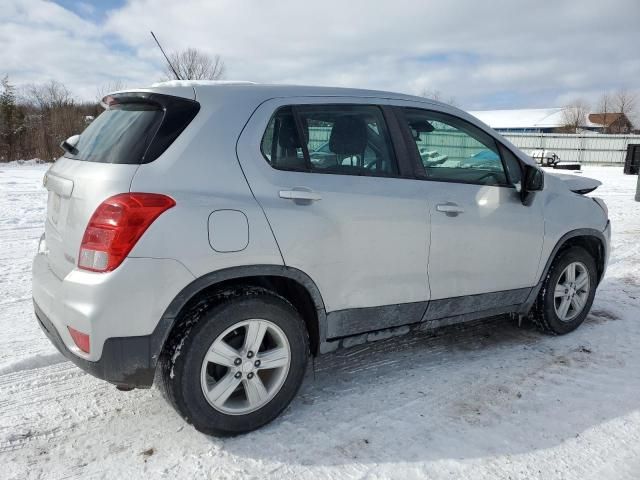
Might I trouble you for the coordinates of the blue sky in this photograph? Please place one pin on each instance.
(91, 10)
(499, 54)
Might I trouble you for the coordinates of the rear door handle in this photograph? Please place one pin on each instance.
(304, 195)
(450, 208)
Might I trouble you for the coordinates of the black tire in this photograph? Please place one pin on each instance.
(181, 362)
(544, 312)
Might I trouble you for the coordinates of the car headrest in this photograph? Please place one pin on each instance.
(288, 135)
(348, 135)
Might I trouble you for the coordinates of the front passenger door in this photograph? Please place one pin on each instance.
(483, 239)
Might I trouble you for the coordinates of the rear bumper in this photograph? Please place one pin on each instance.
(119, 310)
(125, 361)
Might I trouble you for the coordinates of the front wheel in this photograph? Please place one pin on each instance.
(239, 366)
(567, 293)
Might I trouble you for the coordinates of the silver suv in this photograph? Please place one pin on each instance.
(220, 234)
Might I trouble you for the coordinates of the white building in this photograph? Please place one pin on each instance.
(529, 120)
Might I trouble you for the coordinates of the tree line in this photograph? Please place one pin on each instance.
(35, 118)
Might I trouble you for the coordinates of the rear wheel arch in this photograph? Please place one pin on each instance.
(289, 283)
(210, 370)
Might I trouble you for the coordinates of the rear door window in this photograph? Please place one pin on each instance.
(339, 139)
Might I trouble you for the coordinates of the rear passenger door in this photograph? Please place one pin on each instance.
(483, 239)
(329, 179)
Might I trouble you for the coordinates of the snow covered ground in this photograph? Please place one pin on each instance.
(486, 401)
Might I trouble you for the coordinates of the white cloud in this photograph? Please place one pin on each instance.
(41, 41)
(496, 54)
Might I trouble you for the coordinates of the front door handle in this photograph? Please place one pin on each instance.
(303, 195)
(450, 208)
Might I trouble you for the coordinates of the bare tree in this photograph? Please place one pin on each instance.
(574, 115)
(626, 102)
(112, 86)
(605, 107)
(52, 94)
(437, 95)
(55, 115)
(192, 64)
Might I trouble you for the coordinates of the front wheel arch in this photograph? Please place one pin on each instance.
(546, 315)
(592, 240)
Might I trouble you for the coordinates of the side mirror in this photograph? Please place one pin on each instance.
(69, 145)
(532, 181)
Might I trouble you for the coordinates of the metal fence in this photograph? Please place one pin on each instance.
(453, 144)
(595, 149)
(602, 149)
(318, 136)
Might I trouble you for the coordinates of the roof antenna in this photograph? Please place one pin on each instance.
(165, 56)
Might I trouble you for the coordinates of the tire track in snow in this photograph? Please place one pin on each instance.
(35, 361)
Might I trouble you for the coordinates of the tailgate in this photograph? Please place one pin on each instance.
(135, 128)
(76, 188)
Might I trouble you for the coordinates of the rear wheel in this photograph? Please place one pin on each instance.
(239, 366)
(567, 293)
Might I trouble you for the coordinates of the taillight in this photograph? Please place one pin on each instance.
(116, 226)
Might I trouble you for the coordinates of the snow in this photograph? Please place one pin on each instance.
(488, 401)
(525, 118)
(528, 118)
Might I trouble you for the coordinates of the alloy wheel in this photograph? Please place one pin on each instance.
(245, 367)
(571, 291)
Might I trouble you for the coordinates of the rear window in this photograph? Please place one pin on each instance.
(134, 129)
